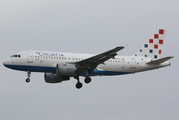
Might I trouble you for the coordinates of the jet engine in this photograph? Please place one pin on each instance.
(55, 78)
(66, 69)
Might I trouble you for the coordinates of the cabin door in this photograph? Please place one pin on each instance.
(29, 57)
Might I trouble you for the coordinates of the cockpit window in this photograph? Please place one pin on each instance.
(16, 56)
(12, 56)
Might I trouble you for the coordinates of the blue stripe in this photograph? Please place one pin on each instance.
(53, 70)
(32, 68)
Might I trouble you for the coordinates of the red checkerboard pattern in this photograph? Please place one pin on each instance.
(153, 47)
(156, 36)
(160, 41)
(156, 46)
(160, 51)
(151, 40)
(161, 31)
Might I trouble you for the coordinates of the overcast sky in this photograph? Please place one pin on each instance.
(89, 26)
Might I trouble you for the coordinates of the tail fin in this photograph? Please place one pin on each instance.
(153, 47)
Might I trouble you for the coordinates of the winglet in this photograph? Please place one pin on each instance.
(126, 46)
(158, 61)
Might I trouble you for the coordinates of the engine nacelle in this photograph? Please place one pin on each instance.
(66, 69)
(55, 78)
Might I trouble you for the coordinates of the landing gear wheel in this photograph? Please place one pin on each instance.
(79, 85)
(87, 80)
(27, 80)
(28, 76)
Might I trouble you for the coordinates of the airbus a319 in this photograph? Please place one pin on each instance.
(60, 66)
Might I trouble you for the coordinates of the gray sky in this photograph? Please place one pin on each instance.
(90, 26)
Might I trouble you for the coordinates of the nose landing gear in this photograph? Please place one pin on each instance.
(27, 80)
(28, 74)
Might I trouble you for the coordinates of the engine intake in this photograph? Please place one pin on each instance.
(66, 69)
(55, 78)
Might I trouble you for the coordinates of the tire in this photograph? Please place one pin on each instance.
(27, 80)
(79, 85)
(87, 80)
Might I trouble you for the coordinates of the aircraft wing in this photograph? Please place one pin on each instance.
(92, 62)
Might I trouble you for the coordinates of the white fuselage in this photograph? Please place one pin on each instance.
(46, 62)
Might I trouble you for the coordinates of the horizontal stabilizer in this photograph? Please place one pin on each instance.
(158, 61)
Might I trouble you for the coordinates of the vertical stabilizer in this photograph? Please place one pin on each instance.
(153, 48)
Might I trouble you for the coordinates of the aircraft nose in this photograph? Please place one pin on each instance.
(5, 62)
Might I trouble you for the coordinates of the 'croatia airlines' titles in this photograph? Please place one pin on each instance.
(50, 54)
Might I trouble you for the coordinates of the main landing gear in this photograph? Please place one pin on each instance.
(87, 80)
(28, 74)
(79, 84)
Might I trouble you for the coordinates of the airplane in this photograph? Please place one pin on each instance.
(61, 66)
